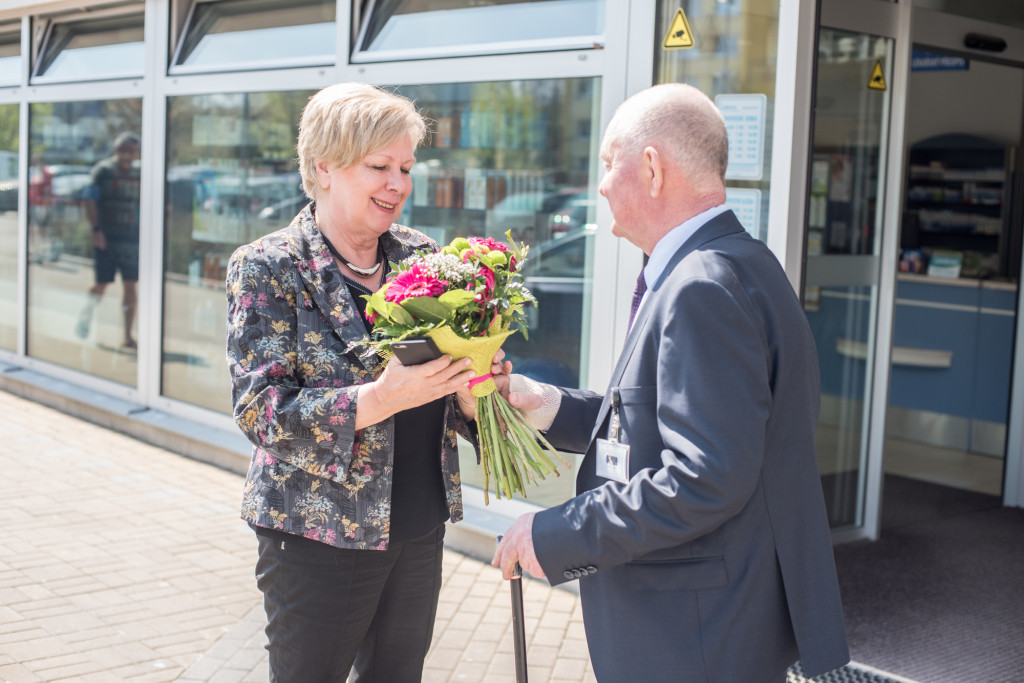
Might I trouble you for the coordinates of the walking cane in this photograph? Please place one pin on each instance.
(518, 628)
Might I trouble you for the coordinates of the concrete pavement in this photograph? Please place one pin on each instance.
(122, 561)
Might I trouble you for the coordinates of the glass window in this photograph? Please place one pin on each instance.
(510, 156)
(231, 177)
(519, 156)
(10, 54)
(727, 48)
(76, 49)
(248, 34)
(9, 227)
(84, 196)
(403, 29)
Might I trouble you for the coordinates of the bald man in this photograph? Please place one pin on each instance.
(698, 533)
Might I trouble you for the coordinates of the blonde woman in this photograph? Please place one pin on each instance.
(354, 468)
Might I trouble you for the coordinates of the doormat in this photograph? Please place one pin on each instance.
(846, 674)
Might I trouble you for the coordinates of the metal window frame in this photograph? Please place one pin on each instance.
(182, 32)
(360, 56)
(622, 66)
(49, 24)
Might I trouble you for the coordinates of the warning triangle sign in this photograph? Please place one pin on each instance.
(877, 81)
(679, 36)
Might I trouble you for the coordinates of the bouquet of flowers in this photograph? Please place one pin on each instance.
(469, 297)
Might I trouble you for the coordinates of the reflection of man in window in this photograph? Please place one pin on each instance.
(111, 204)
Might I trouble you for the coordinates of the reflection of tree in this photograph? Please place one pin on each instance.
(9, 127)
(260, 144)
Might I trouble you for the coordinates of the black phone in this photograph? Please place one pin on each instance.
(415, 350)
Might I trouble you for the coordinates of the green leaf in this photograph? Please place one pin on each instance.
(456, 298)
(400, 315)
(377, 303)
(426, 308)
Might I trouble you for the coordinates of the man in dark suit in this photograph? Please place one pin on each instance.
(699, 531)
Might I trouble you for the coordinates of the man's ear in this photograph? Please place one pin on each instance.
(655, 169)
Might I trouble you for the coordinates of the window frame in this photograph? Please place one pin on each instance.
(48, 24)
(326, 59)
(358, 55)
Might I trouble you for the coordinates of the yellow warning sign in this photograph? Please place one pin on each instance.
(877, 81)
(679, 36)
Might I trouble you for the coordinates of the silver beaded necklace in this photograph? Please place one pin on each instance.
(365, 272)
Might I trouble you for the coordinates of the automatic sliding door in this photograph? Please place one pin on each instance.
(843, 254)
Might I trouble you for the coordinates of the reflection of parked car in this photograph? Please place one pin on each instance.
(528, 214)
(64, 228)
(556, 273)
(9, 195)
(284, 210)
(68, 182)
(577, 213)
(8, 180)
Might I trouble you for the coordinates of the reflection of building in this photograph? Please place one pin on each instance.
(517, 110)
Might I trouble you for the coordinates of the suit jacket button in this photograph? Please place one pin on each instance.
(568, 574)
(577, 573)
(591, 569)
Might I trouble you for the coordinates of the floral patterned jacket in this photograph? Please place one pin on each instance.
(294, 378)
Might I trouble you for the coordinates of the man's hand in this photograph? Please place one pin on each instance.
(517, 546)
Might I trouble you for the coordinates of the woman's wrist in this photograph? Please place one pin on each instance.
(370, 409)
(468, 408)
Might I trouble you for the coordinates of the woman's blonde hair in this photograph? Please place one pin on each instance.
(343, 123)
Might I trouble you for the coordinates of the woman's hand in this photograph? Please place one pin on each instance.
(500, 370)
(401, 387)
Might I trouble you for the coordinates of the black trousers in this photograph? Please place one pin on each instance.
(331, 610)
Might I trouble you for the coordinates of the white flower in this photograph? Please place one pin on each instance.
(448, 267)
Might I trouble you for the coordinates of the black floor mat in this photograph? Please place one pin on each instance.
(940, 597)
(847, 674)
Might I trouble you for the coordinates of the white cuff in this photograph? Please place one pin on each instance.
(551, 398)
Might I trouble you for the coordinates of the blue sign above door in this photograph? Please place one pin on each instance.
(929, 61)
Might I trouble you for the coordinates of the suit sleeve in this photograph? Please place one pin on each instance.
(573, 425)
(311, 428)
(701, 439)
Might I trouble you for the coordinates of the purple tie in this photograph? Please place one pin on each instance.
(638, 294)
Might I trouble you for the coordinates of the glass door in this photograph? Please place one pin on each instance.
(950, 421)
(844, 247)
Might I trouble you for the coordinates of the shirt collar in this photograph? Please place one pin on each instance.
(668, 245)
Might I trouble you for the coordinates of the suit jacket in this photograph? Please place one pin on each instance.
(294, 382)
(714, 562)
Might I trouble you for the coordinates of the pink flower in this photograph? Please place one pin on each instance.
(488, 276)
(489, 242)
(417, 281)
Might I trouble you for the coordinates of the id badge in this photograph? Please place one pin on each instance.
(613, 460)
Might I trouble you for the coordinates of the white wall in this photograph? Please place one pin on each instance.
(985, 100)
